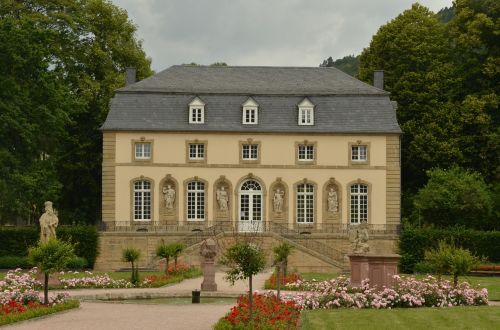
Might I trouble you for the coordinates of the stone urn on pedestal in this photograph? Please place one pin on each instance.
(208, 252)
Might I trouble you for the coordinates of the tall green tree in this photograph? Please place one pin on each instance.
(77, 51)
(444, 122)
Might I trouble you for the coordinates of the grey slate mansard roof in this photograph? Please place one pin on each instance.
(343, 104)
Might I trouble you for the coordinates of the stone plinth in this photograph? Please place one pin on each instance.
(208, 283)
(379, 269)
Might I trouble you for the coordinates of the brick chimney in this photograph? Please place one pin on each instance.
(130, 76)
(378, 79)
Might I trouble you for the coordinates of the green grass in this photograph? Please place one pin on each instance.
(319, 276)
(470, 317)
(36, 312)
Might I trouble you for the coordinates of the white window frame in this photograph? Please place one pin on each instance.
(359, 153)
(196, 111)
(141, 152)
(250, 114)
(358, 203)
(195, 201)
(250, 151)
(305, 152)
(196, 151)
(305, 203)
(306, 113)
(142, 200)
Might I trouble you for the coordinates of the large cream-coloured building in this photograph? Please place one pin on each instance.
(289, 151)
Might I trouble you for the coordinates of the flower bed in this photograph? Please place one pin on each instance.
(407, 292)
(93, 281)
(269, 312)
(272, 281)
(19, 297)
(175, 275)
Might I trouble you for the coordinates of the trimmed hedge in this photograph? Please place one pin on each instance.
(414, 241)
(14, 241)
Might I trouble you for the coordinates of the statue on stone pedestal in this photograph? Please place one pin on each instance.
(278, 201)
(208, 252)
(333, 203)
(169, 196)
(360, 239)
(222, 199)
(48, 223)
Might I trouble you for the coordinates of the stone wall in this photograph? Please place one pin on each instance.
(112, 244)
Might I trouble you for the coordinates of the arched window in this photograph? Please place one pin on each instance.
(305, 203)
(359, 203)
(142, 200)
(196, 201)
(251, 210)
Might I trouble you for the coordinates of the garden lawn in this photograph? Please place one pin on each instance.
(319, 276)
(39, 311)
(467, 317)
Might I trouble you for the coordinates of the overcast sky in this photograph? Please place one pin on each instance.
(259, 32)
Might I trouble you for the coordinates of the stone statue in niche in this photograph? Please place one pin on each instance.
(222, 199)
(278, 200)
(359, 238)
(48, 223)
(333, 201)
(169, 196)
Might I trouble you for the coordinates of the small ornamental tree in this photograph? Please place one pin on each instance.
(281, 254)
(165, 251)
(177, 249)
(131, 255)
(50, 257)
(448, 259)
(244, 260)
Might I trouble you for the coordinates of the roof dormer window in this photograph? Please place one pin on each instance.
(306, 112)
(196, 111)
(250, 112)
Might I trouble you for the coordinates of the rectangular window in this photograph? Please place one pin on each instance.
(306, 152)
(305, 203)
(250, 152)
(359, 203)
(306, 116)
(250, 116)
(196, 151)
(142, 200)
(143, 150)
(196, 201)
(359, 153)
(196, 116)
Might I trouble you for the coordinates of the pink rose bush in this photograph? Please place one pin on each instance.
(406, 293)
(93, 281)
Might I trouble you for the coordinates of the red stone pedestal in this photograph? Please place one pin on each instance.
(208, 283)
(380, 269)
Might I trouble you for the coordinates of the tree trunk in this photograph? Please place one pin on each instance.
(175, 263)
(46, 289)
(250, 296)
(166, 269)
(455, 280)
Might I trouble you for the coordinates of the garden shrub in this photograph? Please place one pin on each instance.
(413, 243)
(15, 241)
(13, 262)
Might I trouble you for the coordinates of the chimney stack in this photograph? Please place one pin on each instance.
(378, 79)
(130, 76)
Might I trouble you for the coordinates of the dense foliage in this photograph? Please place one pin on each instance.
(445, 79)
(60, 62)
(15, 241)
(414, 242)
(455, 197)
(348, 64)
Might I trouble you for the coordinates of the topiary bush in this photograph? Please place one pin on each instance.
(13, 262)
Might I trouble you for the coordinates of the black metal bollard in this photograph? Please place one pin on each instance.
(195, 298)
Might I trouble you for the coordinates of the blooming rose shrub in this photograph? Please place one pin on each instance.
(19, 287)
(269, 312)
(407, 292)
(272, 281)
(93, 281)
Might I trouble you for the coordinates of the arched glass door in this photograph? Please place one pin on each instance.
(251, 208)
